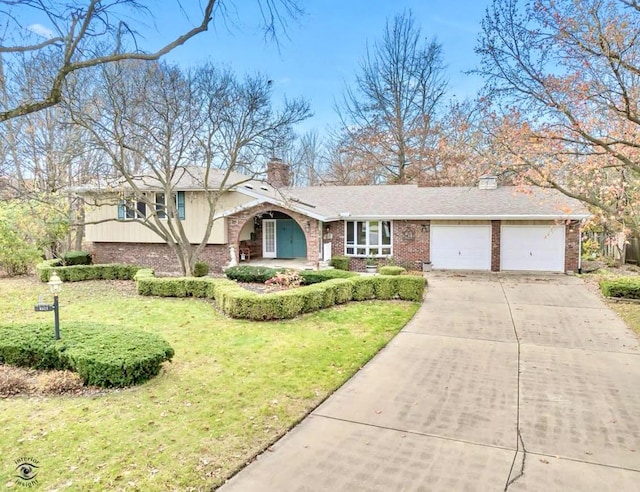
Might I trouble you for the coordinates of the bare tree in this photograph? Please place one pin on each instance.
(44, 153)
(306, 157)
(389, 118)
(564, 76)
(79, 35)
(161, 127)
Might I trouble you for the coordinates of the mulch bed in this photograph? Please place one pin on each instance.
(260, 288)
(19, 381)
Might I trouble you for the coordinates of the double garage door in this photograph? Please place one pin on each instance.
(522, 247)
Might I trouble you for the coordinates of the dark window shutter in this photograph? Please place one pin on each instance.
(121, 210)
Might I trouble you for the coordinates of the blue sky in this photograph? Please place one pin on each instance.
(321, 51)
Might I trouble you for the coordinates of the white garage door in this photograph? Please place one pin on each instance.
(533, 248)
(461, 247)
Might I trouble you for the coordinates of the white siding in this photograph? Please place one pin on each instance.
(131, 231)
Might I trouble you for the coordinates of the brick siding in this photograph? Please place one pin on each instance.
(161, 258)
(495, 245)
(411, 245)
(158, 256)
(572, 246)
(410, 241)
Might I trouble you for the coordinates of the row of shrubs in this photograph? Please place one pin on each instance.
(237, 302)
(344, 263)
(623, 287)
(260, 274)
(77, 273)
(102, 355)
(71, 258)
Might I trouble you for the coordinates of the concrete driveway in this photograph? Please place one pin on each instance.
(520, 383)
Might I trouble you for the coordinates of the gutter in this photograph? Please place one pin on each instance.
(459, 217)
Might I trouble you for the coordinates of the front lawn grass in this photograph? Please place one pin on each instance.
(233, 387)
(629, 312)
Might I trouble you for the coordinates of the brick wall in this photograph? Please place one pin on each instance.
(410, 242)
(158, 256)
(334, 234)
(278, 173)
(410, 245)
(495, 245)
(572, 246)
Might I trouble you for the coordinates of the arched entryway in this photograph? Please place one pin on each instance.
(272, 233)
(282, 237)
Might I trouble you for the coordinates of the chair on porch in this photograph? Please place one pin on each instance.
(245, 251)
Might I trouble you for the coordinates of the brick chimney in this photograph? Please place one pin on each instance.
(278, 173)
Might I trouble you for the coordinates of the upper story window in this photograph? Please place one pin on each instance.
(368, 238)
(130, 208)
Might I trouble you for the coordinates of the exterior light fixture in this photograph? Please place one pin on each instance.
(55, 287)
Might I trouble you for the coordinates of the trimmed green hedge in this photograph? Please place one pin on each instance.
(44, 269)
(340, 262)
(102, 355)
(316, 276)
(392, 270)
(238, 302)
(77, 258)
(79, 273)
(624, 287)
(249, 273)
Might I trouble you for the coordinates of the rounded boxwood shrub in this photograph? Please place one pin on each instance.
(340, 262)
(200, 269)
(249, 273)
(102, 355)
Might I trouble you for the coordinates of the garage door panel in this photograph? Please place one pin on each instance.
(461, 247)
(532, 248)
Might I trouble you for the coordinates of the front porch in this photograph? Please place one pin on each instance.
(270, 235)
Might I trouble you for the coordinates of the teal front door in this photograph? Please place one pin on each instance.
(290, 240)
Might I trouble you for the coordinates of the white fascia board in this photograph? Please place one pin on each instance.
(260, 199)
(461, 217)
(238, 208)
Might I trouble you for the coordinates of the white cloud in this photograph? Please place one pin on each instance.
(41, 30)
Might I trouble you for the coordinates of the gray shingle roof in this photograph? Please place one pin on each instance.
(193, 178)
(411, 201)
(390, 201)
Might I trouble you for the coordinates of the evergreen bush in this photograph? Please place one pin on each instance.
(102, 355)
(340, 262)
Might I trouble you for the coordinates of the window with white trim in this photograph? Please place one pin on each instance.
(368, 238)
(130, 209)
(161, 204)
